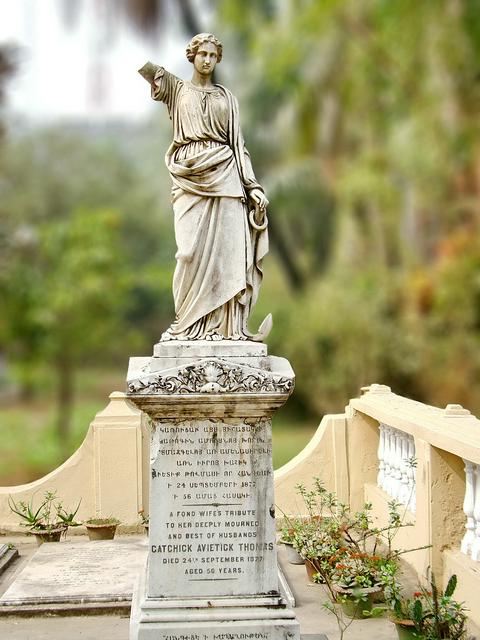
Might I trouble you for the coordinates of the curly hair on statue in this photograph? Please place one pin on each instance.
(200, 38)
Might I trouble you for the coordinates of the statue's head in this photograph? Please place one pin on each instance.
(200, 38)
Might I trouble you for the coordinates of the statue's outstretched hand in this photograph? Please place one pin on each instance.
(148, 71)
(259, 198)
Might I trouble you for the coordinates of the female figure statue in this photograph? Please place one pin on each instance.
(219, 207)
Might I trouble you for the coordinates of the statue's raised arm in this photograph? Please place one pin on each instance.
(163, 83)
(219, 206)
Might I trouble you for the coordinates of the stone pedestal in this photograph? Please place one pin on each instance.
(211, 572)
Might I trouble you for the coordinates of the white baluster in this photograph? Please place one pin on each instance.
(404, 492)
(381, 450)
(476, 514)
(412, 487)
(468, 507)
(397, 475)
(386, 445)
(387, 459)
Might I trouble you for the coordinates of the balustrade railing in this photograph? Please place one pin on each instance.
(471, 507)
(396, 466)
(428, 459)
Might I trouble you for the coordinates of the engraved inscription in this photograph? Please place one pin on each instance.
(212, 490)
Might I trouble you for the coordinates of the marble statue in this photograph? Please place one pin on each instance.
(219, 206)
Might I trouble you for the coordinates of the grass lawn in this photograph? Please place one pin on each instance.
(290, 435)
(30, 447)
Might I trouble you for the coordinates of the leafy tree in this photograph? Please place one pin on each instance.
(64, 294)
(78, 250)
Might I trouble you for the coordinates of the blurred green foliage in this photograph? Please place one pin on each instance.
(81, 272)
(365, 119)
(362, 121)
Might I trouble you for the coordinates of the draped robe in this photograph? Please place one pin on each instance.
(219, 255)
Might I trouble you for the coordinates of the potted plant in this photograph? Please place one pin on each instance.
(317, 546)
(317, 536)
(101, 528)
(348, 552)
(329, 532)
(356, 579)
(48, 521)
(407, 617)
(431, 614)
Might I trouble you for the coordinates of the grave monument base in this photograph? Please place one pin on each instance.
(214, 618)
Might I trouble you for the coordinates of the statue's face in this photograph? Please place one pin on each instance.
(206, 58)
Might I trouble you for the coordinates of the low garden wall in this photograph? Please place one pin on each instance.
(108, 472)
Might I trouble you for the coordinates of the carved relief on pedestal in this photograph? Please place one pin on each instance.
(212, 375)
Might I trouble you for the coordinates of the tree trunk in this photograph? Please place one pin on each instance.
(284, 253)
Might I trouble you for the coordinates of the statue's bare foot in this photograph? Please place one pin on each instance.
(167, 336)
(213, 335)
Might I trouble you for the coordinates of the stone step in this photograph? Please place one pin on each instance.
(7, 556)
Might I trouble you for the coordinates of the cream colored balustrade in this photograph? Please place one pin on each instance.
(362, 456)
(396, 474)
(440, 440)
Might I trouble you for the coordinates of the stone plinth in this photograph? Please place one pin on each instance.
(212, 565)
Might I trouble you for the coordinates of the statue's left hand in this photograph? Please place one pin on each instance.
(259, 198)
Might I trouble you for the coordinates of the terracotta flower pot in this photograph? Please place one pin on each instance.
(52, 535)
(406, 630)
(311, 570)
(356, 603)
(101, 531)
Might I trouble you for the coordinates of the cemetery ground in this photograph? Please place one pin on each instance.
(314, 619)
(31, 447)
